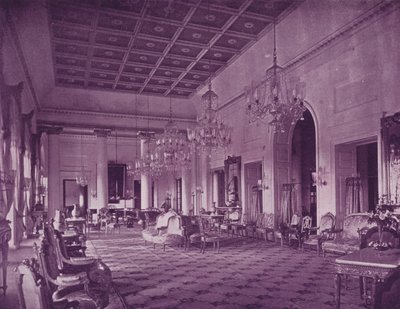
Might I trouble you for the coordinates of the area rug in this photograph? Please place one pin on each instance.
(247, 273)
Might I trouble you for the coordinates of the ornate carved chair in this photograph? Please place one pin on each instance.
(66, 287)
(98, 274)
(325, 229)
(348, 239)
(298, 233)
(252, 226)
(33, 293)
(285, 231)
(266, 226)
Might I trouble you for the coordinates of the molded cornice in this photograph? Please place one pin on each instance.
(378, 11)
(113, 115)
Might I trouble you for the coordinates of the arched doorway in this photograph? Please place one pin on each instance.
(294, 162)
(303, 164)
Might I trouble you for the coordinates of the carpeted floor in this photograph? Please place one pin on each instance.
(247, 273)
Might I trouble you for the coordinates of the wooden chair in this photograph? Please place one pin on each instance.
(301, 233)
(33, 293)
(326, 226)
(61, 287)
(286, 231)
(266, 226)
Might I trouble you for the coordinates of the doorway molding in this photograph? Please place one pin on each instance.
(282, 160)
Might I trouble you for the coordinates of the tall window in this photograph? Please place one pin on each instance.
(178, 190)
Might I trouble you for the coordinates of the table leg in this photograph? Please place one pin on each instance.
(218, 246)
(337, 290)
(376, 293)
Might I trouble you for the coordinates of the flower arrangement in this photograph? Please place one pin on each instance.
(383, 219)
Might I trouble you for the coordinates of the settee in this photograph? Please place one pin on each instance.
(348, 239)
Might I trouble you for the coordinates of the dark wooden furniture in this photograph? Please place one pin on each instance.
(370, 263)
(5, 236)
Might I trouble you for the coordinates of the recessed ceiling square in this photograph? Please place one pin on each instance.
(112, 39)
(209, 18)
(116, 22)
(150, 45)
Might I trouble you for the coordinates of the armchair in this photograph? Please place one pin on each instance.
(286, 231)
(347, 239)
(266, 226)
(325, 228)
(33, 293)
(252, 226)
(173, 234)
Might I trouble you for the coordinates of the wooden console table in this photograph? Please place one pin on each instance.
(371, 263)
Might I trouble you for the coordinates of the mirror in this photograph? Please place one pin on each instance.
(232, 181)
(74, 194)
(391, 148)
(116, 182)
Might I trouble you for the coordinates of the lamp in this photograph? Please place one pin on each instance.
(270, 99)
(82, 178)
(317, 178)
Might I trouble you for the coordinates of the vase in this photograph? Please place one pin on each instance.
(381, 245)
(75, 211)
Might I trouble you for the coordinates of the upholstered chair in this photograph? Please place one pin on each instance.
(33, 293)
(252, 226)
(299, 232)
(266, 226)
(324, 231)
(348, 239)
(172, 235)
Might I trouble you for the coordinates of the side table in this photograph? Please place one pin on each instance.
(370, 263)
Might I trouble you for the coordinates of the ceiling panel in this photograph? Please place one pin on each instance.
(158, 47)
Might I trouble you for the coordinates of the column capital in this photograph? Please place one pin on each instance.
(55, 130)
(145, 135)
(102, 132)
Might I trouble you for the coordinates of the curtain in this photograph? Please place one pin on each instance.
(288, 202)
(353, 195)
(255, 207)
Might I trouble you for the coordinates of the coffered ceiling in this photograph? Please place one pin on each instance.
(155, 47)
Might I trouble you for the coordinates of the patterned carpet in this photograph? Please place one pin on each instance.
(247, 273)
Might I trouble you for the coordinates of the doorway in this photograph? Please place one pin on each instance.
(303, 164)
(356, 174)
(253, 193)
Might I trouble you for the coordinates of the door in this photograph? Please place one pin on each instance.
(345, 166)
(253, 173)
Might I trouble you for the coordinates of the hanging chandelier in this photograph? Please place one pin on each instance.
(82, 179)
(172, 149)
(210, 133)
(271, 99)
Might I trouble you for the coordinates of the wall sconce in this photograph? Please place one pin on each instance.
(93, 192)
(317, 178)
(261, 184)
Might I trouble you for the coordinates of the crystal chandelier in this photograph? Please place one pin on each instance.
(271, 99)
(210, 133)
(172, 149)
(82, 178)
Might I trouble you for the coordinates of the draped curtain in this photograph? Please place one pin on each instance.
(255, 207)
(353, 195)
(288, 202)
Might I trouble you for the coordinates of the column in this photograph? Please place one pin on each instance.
(53, 169)
(102, 167)
(186, 192)
(215, 180)
(145, 179)
(204, 181)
